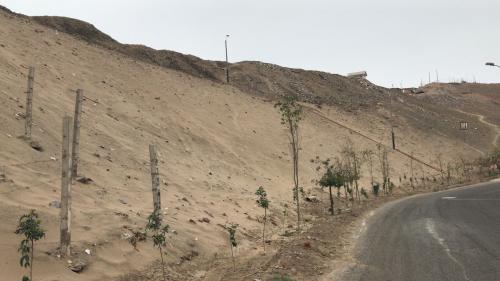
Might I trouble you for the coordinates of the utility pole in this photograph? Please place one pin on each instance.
(227, 61)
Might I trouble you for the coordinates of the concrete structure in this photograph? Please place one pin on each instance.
(359, 74)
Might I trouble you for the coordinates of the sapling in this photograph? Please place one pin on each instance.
(155, 224)
(333, 177)
(291, 114)
(263, 203)
(29, 226)
(231, 228)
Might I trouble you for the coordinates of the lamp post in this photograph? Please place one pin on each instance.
(227, 61)
(492, 64)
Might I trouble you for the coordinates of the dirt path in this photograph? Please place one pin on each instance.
(322, 115)
(481, 119)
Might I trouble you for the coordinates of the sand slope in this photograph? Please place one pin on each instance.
(217, 145)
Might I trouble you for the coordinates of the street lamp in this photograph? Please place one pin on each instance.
(227, 62)
(492, 64)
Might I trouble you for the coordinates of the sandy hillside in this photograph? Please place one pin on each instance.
(217, 145)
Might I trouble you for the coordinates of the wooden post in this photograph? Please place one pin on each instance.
(65, 226)
(155, 179)
(29, 103)
(75, 149)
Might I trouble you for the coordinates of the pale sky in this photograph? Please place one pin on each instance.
(396, 41)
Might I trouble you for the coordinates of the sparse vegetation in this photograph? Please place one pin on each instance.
(375, 188)
(231, 228)
(30, 227)
(291, 114)
(353, 162)
(155, 224)
(385, 169)
(263, 203)
(332, 177)
(280, 277)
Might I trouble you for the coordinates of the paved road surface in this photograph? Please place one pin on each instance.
(452, 235)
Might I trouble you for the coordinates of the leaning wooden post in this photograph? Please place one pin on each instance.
(155, 178)
(29, 103)
(75, 149)
(65, 226)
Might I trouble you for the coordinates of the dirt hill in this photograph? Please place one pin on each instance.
(218, 143)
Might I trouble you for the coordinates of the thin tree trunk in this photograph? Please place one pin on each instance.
(332, 211)
(232, 256)
(357, 191)
(162, 265)
(31, 260)
(371, 170)
(295, 151)
(284, 221)
(264, 230)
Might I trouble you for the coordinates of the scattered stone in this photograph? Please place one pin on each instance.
(200, 274)
(120, 214)
(126, 236)
(206, 212)
(78, 266)
(84, 180)
(192, 221)
(55, 204)
(185, 199)
(87, 251)
(36, 146)
(205, 220)
(20, 115)
(53, 158)
(189, 256)
(312, 199)
(3, 178)
(123, 201)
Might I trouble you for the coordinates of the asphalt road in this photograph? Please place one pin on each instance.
(452, 235)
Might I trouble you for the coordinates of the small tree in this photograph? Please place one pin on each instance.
(291, 114)
(29, 226)
(384, 168)
(155, 224)
(263, 203)
(331, 178)
(231, 228)
(368, 155)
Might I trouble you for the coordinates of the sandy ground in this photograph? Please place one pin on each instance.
(217, 145)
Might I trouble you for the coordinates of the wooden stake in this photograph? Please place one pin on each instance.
(155, 178)
(65, 226)
(75, 149)
(29, 103)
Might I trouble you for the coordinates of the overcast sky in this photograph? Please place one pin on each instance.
(396, 41)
